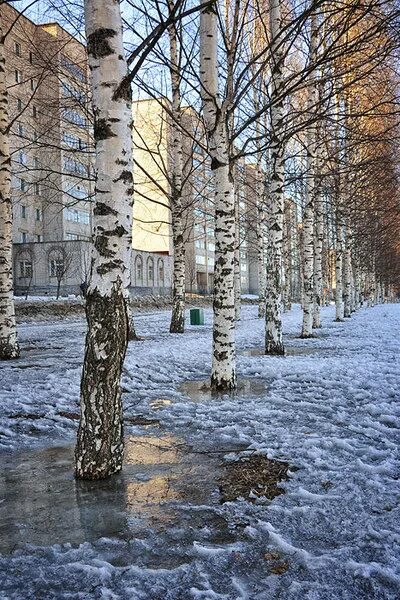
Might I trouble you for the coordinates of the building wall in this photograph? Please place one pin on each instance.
(151, 229)
(50, 156)
(39, 266)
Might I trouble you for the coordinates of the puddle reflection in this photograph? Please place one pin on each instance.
(292, 351)
(200, 391)
(42, 503)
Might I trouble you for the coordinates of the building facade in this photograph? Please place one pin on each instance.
(152, 229)
(63, 268)
(51, 144)
(50, 134)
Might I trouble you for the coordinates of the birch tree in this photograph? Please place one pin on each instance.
(178, 293)
(308, 229)
(9, 347)
(273, 293)
(99, 449)
(223, 374)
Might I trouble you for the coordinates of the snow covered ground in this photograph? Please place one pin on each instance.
(331, 409)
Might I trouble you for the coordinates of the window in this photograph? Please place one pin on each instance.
(199, 244)
(74, 166)
(17, 49)
(35, 136)
(200, 260)
(23, 212)
(139, 270)
(78, 191)
(39, 238)
(68, 91)
(22, 157)
(73, 141)
(36, 163)
(19, 104)
(38, 213)
(73, 68)
(24, 237)
(22, 185)
(31, 57)
(20, 130)
(56, 267)
(150, 271)
(25, 268)
(71, 236)
(18, 76)
(34, 112)
(33, 84)
(74, 117)
(160, 272)
(36, 187)
(77, 216)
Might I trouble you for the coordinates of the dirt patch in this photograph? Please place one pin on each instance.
(253, 477)
(31, 416)
(139, 420)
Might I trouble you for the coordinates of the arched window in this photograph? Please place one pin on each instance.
(160, 272)
(139, 270)
(150, 272)
(24, 266)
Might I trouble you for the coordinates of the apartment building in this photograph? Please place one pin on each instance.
(151, 214)
(50, 136)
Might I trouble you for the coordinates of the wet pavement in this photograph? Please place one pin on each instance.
(163, 484)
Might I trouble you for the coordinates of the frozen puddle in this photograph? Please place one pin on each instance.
(200, 391)
(163, 485)
(291, 351)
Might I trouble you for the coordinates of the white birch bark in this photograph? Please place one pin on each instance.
(273, 292)
(238, 273)
(178, 294)
(260, 241)
(308, 222)
(9, 347)
(223, 374)
(339, 267)
(347, 268)
(99, 449)
(318, 272)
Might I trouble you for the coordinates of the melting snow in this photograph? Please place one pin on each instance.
(331, 410)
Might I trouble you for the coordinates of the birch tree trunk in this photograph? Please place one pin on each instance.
(318, 249)
(339, 267)
(287, 296)
(347, 270)
(238, 273)
(99, 449)
(273, 295)
(179, 280)
(9, 347)
(260, 238)
(308, 248)
(223, 374)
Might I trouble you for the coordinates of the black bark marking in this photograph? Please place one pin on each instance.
(98, 45)
(125, 176)
(102, 130)
(101, 245)
(123, 91)
(102, 210)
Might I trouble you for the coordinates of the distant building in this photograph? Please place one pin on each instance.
(151, 214)
(51, 145)
(63, 267)
(50, 137)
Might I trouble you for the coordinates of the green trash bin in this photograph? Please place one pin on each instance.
(196, 316)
